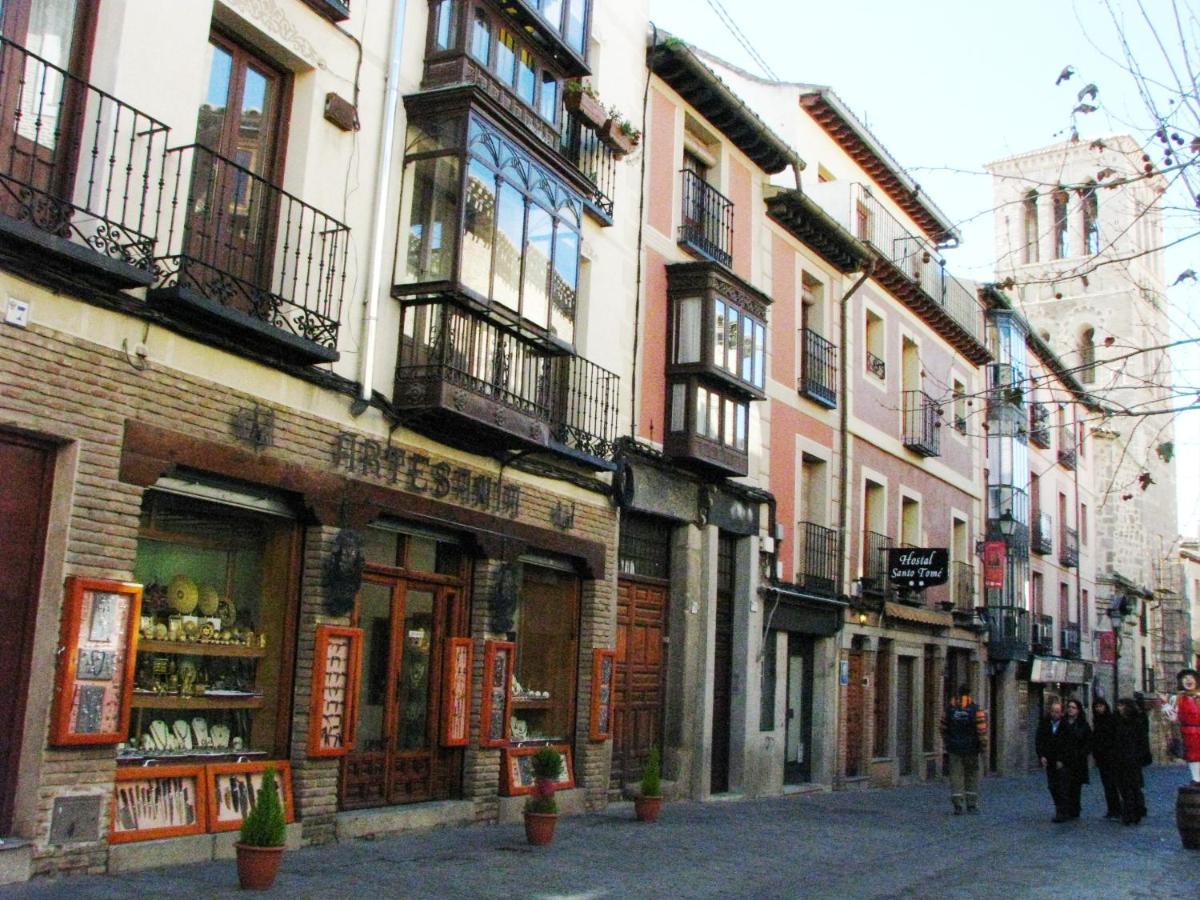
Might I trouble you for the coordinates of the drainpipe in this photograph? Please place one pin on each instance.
(391, 103)
(844, 474)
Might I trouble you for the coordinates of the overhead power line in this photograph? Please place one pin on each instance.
(740, 37)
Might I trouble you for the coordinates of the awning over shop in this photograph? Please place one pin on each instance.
(919, 615)
(803, 612)
(1053, 670)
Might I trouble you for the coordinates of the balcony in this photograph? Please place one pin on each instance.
(247, 259)
(818, 378)
(595, 160)
(1070, 641)
(1005, 384)
(817, 558)
(1066, 448)
(1042, 539)
(707, 228)
(963, 585)
(1008, 632)
(876, 366)
(1039, 425)
(469, 381)
(922, 424)
(1068, 548)
(875, 564)
(1043, 634)
(79, 173)
(1008, 515)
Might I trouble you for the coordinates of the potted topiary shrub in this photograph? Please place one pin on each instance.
(541, 809)
(648, 802)
(263, 834)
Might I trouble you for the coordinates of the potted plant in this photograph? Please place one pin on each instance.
(547, 766)
(581, 99)
(541, 815)
(263, 834)
(619, 133)
(648, 802)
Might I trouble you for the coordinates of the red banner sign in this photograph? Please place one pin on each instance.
(1108, 648)
(993, 564)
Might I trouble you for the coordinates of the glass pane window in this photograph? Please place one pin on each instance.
(433, 226)
(718, 335)
(727, 436)
(732, 341)
(506, 56)
(574, 29)
(510, 238)
(565, 285)
(687, 331)
(479, 228)
(702, 412)
(740, 427)
(538, 246)
(760, 348)
(443, 29)
(678, 406)
(526, 78)
(481, 37)
(552, 11)
(548, 100)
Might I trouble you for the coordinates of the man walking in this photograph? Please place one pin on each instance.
(1054, 754)
(964, 729)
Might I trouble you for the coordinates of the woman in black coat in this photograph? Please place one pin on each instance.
(1128, 761)
(1104, 751)
(1078, 745)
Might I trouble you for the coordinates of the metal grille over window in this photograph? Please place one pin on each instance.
(645, 547)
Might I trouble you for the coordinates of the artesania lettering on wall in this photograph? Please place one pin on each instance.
(915, 568)
(424, 474)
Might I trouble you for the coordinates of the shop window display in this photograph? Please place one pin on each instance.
(213, 630)
(547, 639)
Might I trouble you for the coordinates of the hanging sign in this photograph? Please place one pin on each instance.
(994, 553)
(917, 568)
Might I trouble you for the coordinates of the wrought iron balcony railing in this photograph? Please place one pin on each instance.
(1068, 547)
(922, 423)
(1006, 384)
(875, 567)
(1042, 539)
(80, 171)
(244, 249)
(707, 220)
(1066, 447)
(1039, 425)
(1008, 632)
(818, 369)
(916, 259)
(1070, 640)
(481, 381)
(963, 584)
(1043, 634)
(594, 158)
(876, 366)
(817, 558)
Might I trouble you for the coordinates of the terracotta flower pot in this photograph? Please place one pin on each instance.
(539, 828)
(619, 141)
(257, 866)
(647, 808)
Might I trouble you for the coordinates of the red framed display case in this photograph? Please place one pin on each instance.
(97, 650)
(151, 802)
(604, 669)
(336, 670)
(456, 698)
(231, 791)
(494, 719)
(518, 769)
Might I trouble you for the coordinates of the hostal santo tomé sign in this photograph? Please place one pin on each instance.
(916, 568)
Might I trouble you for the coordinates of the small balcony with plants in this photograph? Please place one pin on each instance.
(80, 174)
(922, 424)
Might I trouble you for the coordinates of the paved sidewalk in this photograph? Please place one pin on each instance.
(894, 843)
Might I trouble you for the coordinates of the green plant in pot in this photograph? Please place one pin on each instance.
(648, 803)
(264, 832)
(541, 809)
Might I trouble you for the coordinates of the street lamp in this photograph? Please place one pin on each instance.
(1117, 610)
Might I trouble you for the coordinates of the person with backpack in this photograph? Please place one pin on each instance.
(964, 730)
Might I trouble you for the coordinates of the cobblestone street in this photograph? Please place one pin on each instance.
(902, 842)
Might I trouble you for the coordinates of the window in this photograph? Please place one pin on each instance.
(443, 25)
(1091, 220)
(506, 56)
(862, 221)
(548, 98)
(1061, 237)
(874, 346)
(1083, 524)
(1087, 355)
(1029, 245)
(481, 38)
(1037, 591)
(960, 407)
(910, 522)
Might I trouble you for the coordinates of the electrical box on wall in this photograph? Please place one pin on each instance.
(16, 312)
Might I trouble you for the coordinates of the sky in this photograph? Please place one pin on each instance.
(950, 86)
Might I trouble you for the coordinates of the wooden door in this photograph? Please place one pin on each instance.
(24, 504)
(904, 714)
(398, 757)
(232, 215)
(46, 49)
(640, 676)
(797, 764)
(722, 695)
(855, 715)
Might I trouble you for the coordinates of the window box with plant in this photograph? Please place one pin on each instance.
(619, 133)
(582, 100)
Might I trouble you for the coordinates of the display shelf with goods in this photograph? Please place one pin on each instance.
(215, 630)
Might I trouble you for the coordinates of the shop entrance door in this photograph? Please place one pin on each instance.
(641, 628)
(855, 715)
(904, 714)
(27, 468)
(797, 763)
(398, 757)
